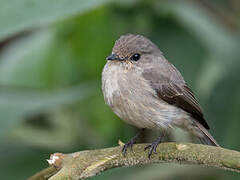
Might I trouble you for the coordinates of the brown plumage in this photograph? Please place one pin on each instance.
(176, 93)
(147, 91)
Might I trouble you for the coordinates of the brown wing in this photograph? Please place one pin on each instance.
(176, 93)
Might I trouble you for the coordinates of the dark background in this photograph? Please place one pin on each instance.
(51, 57)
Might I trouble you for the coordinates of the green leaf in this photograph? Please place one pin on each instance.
(202, 24)
(25, 62)
(221, 43)
(16, 104)
(17, 16)
(38, 61)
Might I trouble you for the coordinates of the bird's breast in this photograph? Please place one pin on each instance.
(133, 99)
(110, 86)
(120, 81)
(124, 91)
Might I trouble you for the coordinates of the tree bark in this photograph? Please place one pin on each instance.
(84, 164)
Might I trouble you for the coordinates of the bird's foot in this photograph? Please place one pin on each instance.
(131, 143)
(127, 145)
(153, 147)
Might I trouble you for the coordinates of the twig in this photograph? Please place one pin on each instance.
(84, 164)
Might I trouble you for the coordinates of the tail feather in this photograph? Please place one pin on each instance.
(207, 138)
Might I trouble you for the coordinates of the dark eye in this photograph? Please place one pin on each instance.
(135, 57)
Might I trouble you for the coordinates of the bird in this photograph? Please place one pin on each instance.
(146, 91)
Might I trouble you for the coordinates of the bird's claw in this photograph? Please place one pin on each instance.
(127, 145)
(131, 143)
(152, 147)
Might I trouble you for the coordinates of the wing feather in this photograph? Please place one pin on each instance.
(175, 92)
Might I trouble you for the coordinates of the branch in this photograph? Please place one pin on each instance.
(84, 164)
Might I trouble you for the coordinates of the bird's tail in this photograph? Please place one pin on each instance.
(207, 137)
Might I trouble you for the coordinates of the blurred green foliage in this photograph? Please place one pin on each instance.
(51, 57)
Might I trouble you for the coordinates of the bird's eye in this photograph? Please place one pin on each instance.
(135, 57)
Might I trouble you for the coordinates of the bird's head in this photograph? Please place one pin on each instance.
(134, 49)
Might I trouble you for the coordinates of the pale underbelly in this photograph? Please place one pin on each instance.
(149, 112)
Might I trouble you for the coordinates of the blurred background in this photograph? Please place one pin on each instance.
(51, 57)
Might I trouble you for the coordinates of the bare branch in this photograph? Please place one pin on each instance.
(84, 164)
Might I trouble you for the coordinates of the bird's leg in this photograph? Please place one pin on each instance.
(153, 147)
(131, 142)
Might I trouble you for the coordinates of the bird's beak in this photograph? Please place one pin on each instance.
(113, 57)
